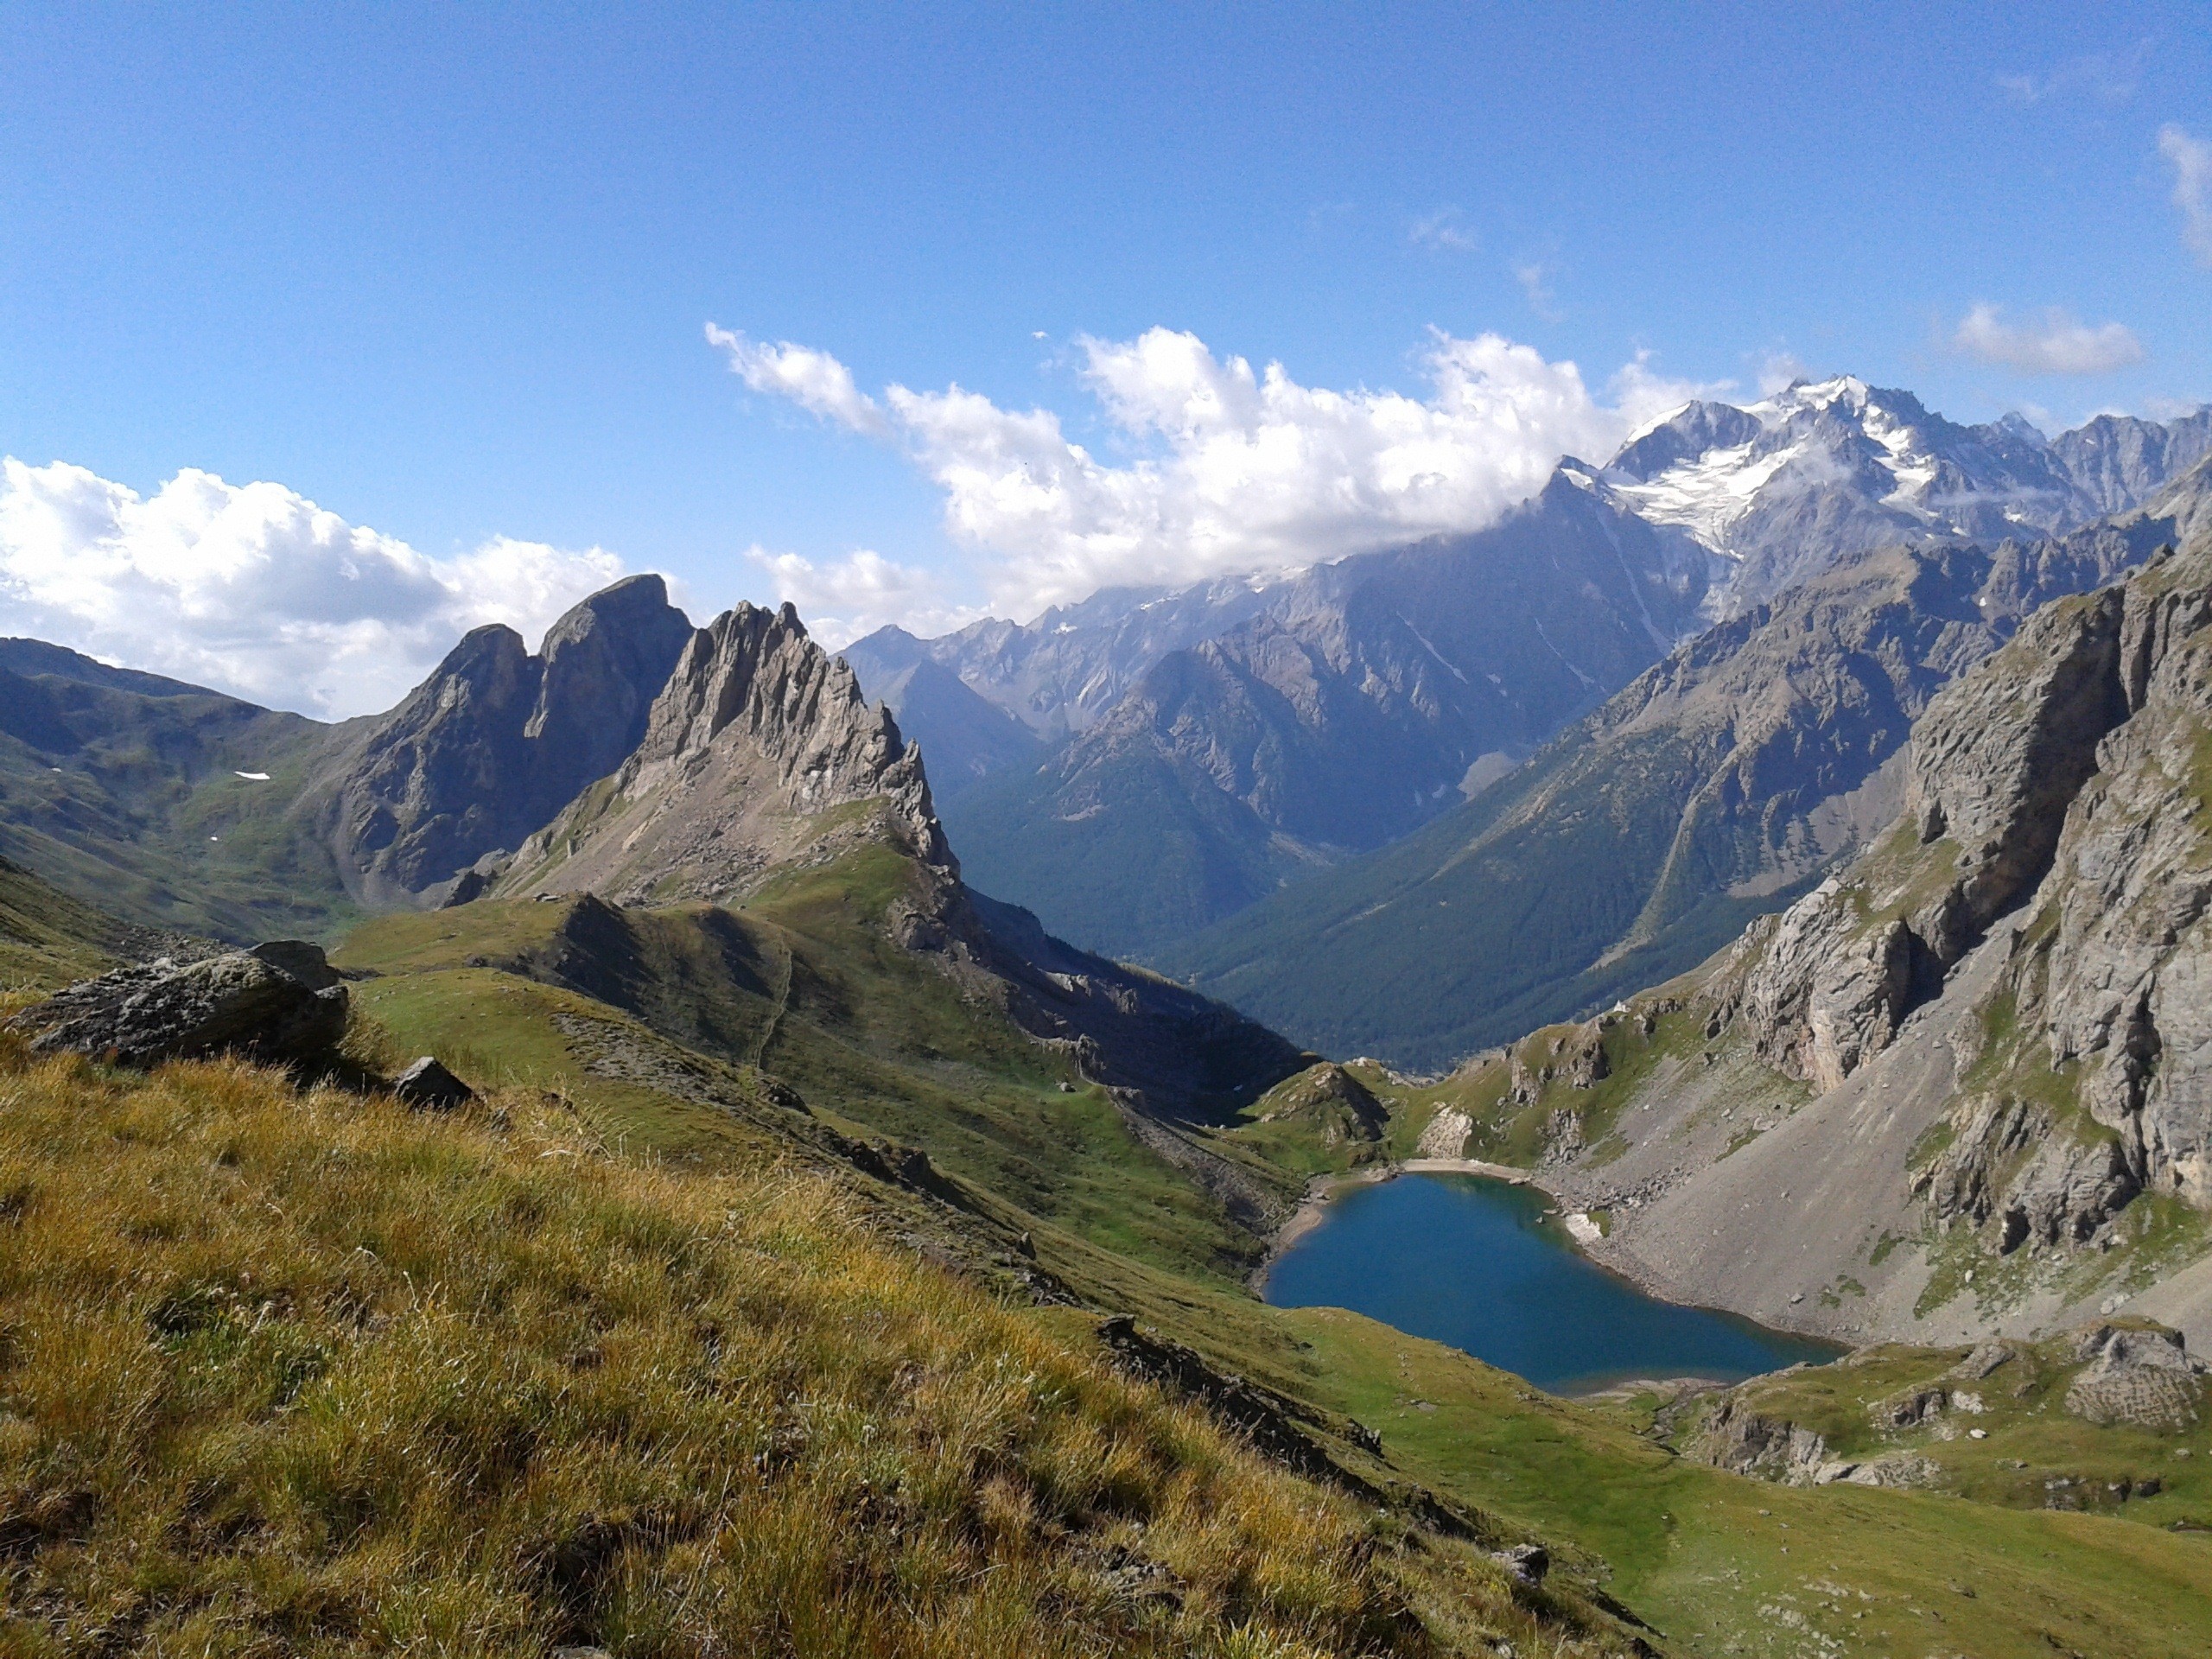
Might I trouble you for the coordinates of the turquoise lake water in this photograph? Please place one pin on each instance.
(1469, 1262)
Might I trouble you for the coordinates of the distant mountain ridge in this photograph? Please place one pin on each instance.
(1714, 788)
(1354, 706)
(1219, 742)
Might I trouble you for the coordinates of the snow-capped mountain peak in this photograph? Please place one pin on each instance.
(1823, 468)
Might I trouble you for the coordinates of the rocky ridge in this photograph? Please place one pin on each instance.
(485, 751)
(752, 748)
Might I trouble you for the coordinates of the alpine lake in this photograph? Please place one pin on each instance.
(1476, 1263)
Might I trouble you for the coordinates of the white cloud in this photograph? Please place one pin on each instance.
(2108, 77)
(1779, 370)
(1231, 469)
(2192, 164)
(813, 380)
(2056, 343)
(254, 590)
(859, 593)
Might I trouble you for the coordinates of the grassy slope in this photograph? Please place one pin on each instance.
(2034, 1453)
(133, 801)
(804, 983)
(246, 1554)
(47, 938)
(1577, 1473)
(1728, 1565)
(314, 1375)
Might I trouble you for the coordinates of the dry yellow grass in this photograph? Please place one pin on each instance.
(287, 1372)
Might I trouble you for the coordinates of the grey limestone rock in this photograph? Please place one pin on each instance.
(162, 1010)
(752, 756)
(303, 961)
(427, 1086)
(496, 741)
(2136, 1373)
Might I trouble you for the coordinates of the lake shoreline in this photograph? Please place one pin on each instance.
(1313, 1209)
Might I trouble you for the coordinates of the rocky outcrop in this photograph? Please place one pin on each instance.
(1994, 764)
(1333, 1105)
(1829, 990)
(2140, 1375)
(1734, 1436)
(427, 1086)
(234, 1003)
(495, 742)
(760, 749)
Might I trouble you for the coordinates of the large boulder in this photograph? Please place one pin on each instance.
(238, 1002)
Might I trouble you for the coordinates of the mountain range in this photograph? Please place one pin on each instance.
(1267, 743)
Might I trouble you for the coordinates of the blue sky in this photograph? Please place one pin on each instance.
(445, 272)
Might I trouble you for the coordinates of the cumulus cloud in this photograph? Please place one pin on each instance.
(814, 380)
(1224, 468)
(2054, 343)
(847, 598)
(2192, 164)
(254, 590)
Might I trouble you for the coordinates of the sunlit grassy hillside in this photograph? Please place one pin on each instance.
(304, 1373)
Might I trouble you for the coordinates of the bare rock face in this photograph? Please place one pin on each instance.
(2001, 752)
(2064, 783)
(2118, 973)
(163, 1010)
(496, 741)
(1994, 763)
(1829, 992)
(2138, 1375)
(760, 749)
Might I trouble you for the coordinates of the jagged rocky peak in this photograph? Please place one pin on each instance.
(756, 753)
(496, 741)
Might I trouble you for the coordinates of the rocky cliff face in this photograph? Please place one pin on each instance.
(760, 750)
(496, 741)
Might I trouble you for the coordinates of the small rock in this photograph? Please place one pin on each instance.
(428, 1087)
(1527, 1562)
